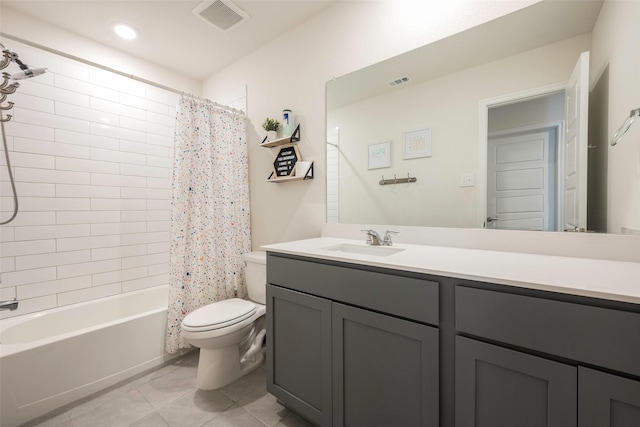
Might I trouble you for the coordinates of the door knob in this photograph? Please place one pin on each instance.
(490, 220)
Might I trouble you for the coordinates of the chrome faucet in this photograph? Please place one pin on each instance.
(386, 241)
(9, 305)
(374, 239)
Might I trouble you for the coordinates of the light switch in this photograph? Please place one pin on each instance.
(466, 180)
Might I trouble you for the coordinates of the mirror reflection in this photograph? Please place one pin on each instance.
(491, 123)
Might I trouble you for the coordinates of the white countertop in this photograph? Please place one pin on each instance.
(612, 280)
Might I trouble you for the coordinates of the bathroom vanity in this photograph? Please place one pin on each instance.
(426, 336)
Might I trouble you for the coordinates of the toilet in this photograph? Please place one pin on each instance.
(230, 333)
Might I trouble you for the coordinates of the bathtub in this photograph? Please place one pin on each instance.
(51, 358)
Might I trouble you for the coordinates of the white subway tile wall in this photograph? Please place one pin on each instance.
(91, 152)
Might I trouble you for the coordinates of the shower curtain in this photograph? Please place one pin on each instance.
(210, 228)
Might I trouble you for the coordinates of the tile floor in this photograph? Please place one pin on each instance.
(167, 397)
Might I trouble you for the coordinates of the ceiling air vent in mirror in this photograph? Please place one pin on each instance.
(398, 81)
(222, 14)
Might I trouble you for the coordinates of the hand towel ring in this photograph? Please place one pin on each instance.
(625, 126)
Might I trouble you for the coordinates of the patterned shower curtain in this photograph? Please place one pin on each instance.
(210, 227)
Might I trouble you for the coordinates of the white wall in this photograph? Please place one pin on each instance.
(91, 153)
(291, 72)
(449, 107)
(615, 35)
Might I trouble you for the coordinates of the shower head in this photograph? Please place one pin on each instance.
(27, 73)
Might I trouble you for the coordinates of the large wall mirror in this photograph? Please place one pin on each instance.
(485, 122)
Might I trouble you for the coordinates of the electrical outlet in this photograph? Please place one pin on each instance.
(466, 180)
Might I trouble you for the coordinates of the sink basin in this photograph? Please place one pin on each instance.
(364, 250)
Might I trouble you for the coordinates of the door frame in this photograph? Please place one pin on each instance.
(483, 137)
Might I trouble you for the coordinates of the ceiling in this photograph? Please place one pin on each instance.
(169, 34)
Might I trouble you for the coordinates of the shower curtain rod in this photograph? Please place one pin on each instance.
(103, 67)
(224, 107)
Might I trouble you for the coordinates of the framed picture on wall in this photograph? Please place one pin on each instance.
(416, 144)
(379, 155)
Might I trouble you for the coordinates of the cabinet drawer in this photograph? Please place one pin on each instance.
(600, 336)
(407, 297)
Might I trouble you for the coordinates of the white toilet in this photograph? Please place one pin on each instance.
(230, 333)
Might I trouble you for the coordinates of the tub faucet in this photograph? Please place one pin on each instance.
(9, 305)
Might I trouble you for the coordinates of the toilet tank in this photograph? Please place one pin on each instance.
(255, 274)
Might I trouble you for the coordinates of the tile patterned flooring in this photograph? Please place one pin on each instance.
(167, 397)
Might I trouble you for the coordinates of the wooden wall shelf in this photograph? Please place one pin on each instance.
(308, 175)
(295, 137)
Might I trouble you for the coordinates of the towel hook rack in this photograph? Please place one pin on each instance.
(396, 180)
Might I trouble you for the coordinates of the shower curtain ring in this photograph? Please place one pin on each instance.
(6, 77)
(10, 89)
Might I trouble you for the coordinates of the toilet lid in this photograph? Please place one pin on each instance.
(220, 314)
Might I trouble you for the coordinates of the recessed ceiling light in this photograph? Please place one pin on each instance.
(125, 31)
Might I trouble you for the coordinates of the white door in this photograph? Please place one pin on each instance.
(575, 148)
(520, 181)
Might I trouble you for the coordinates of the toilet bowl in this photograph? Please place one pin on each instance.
(230, 333)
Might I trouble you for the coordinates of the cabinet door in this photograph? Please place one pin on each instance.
(498, 387)
(299, 352)
(607, 400)
(385, 370)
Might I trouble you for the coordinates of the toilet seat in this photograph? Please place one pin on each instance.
(219, 315)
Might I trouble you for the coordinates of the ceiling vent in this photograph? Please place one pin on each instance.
(222, 14)
(398, 81)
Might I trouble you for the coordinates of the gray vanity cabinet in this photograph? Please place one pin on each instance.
(352, 346)
(531, 358)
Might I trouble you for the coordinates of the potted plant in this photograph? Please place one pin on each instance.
(271, 126)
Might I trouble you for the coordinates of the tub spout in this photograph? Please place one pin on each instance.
(9, 305)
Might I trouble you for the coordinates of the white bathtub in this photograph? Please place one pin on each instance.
(51, 358)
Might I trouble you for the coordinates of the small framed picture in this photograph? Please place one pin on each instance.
(416, 144)
(380, 155)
